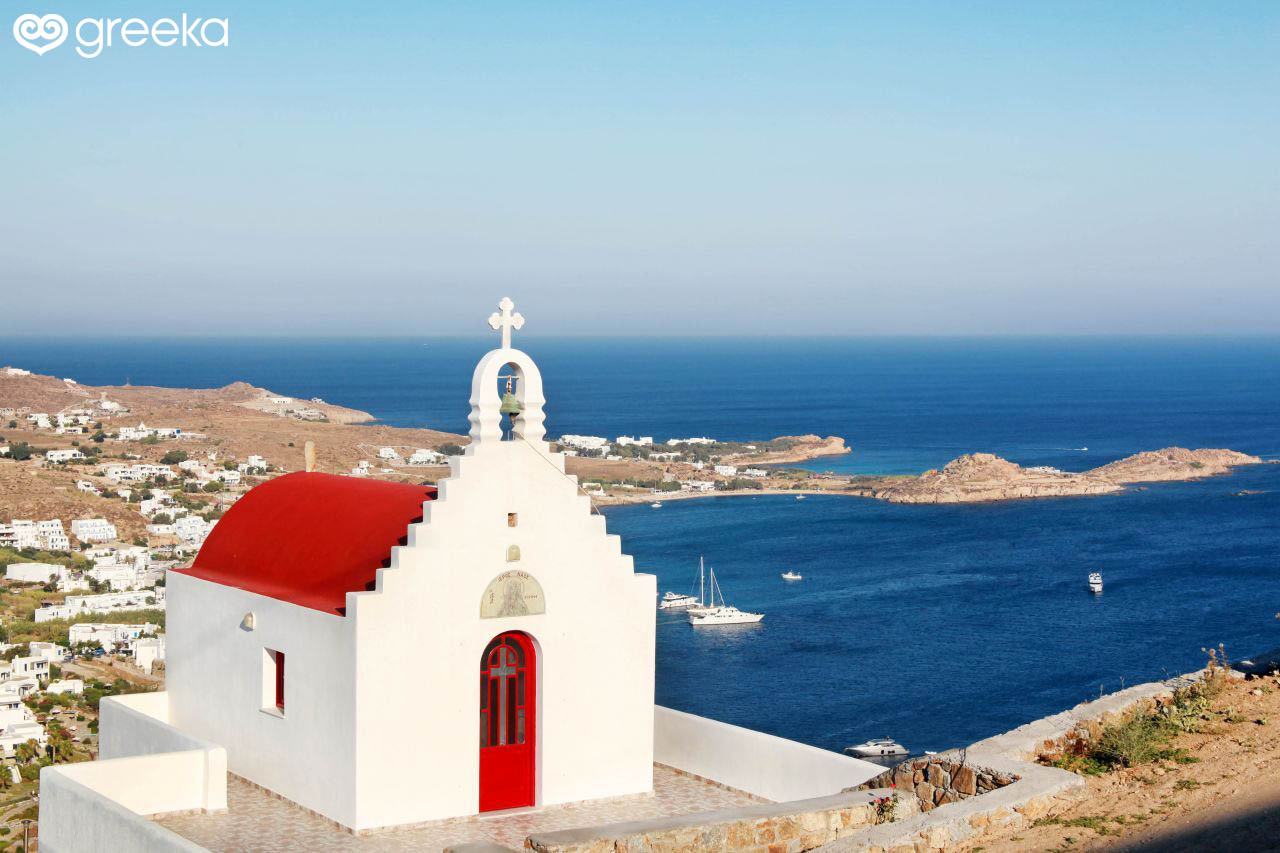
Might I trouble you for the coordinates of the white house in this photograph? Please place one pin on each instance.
(192, 528)
(109, 635)
(93, 530)
(88, 486)
(17, 723)
(32, 666)
(63, 455)
(135, 473)
(625, 440)
(147, 651)
(388, 453)
(51, 652)
(35, 572)
(727, 470)
(107, 602)
(584, 442)
(426, 456)
(73, 686)
(134, 433)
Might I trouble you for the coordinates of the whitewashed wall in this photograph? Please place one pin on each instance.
(214, 680)
(771, 767)
(101, 805)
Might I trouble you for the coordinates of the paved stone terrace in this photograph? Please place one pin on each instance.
(258, 821)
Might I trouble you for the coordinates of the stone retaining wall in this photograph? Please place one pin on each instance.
(772, 828)
(938, 780)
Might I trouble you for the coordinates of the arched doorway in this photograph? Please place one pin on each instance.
(508, 706)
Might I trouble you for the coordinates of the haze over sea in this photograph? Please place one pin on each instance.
(937, 625)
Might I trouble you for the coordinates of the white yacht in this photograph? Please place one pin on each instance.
(877, 746)
(729, 615)
(656, 504)
(710, 613)
(676, 601)
(800, 497)
(1095, 582)
(792, 576)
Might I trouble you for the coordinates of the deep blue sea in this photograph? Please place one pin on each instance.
(934, 625)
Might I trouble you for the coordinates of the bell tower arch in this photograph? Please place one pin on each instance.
(486, 401)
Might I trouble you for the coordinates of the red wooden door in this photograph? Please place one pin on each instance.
(508, 705)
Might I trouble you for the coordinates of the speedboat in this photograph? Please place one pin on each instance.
(877, 746)
(1095, 582)
(799, 497)
(656, 504)
(727, 615)
(792, 576)
(676, 601)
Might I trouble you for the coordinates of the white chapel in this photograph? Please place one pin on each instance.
(346, 639)
(385, 654)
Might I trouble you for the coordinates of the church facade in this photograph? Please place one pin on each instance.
(387, 654)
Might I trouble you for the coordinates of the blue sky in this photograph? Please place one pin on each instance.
(682, 168)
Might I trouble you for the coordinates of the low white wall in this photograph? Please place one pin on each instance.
(101, 805)
(138, 725)
(767, 766)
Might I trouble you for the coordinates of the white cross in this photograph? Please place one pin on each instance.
(506, 321)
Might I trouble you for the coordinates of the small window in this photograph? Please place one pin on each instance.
(512, 519)
(273, 681)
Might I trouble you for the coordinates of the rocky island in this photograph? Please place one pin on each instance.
(978, 477)
(1173, 463)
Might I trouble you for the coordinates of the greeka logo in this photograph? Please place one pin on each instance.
(42, 33)
(51, 27)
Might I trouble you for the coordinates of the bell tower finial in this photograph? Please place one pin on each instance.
(506, 321)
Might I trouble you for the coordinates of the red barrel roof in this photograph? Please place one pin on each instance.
(309, 539)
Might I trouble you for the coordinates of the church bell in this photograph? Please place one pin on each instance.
(510, 405)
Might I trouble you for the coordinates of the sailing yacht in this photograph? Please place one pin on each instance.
(722, 614)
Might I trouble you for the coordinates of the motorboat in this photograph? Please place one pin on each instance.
(792, 576)
(877, 746)
(676, 601)
(800, 497)
(1095, 582)
(656, 504)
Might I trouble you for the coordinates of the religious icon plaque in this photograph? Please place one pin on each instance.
(513, 593)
